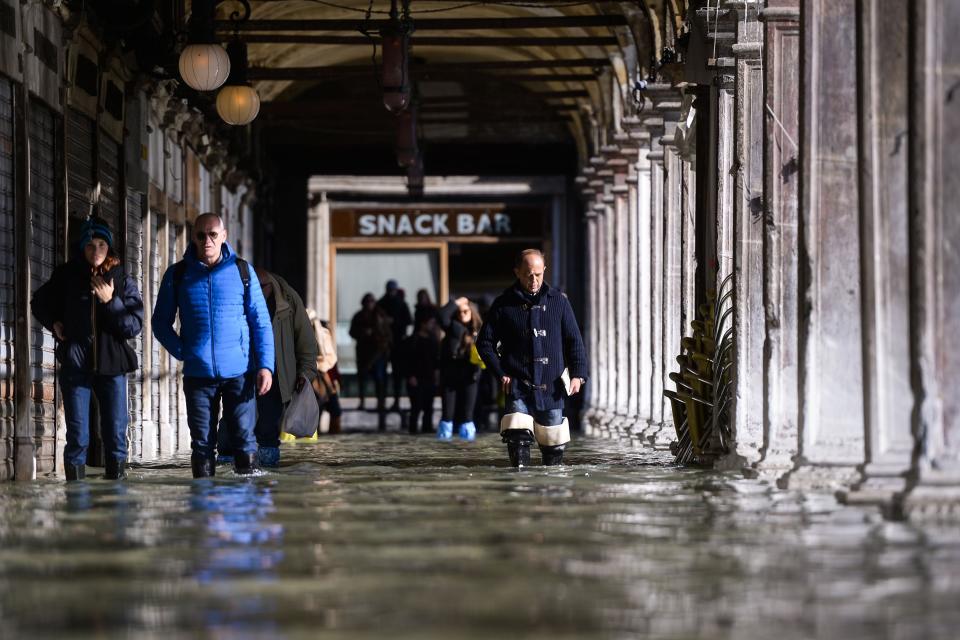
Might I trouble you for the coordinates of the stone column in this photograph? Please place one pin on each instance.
(831, 355)
(780, 240)
(934, 485)
(590, 226)
(657, 376)
(688, 243)
(602, 327)
(644, 288)
(609, 288)
(619, 275)
(747, 234)
(884, 53)
(633, 428)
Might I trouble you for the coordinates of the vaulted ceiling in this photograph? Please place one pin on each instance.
(487, 73)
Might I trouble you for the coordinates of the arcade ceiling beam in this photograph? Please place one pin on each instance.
(426, 24)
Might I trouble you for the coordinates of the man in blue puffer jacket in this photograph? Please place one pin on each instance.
(225, 342)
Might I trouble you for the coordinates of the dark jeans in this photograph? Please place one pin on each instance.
(332, 405)
(269, 414)
(458, 401)
(547, 418)
(396, 368)
(421, 403)
(377, 371)
(111, 395)
(204, 396)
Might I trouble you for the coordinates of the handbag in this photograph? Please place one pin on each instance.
(302, 416)
(475, 358)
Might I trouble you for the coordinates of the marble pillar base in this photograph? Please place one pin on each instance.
(819, 477)
(935, 497)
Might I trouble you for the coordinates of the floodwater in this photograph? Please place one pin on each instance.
(394, 536)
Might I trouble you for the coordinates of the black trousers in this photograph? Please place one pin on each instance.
(459, 400)
(421, 405)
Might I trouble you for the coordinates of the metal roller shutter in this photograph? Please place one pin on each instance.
(109, 168)
(134, 264)
(176, 420)
(156, 272)
(81, 131)
(7, 291)
(43, 257)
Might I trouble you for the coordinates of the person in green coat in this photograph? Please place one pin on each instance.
(295, 345)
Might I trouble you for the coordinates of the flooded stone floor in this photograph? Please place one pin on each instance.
(394, 536)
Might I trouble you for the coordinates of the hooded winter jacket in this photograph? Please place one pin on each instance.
(225, 328)
(293, 339)
(96, 333)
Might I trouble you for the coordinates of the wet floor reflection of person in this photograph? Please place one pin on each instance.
(370, 327)
(459, 368)
(419, 356)
(530, 337)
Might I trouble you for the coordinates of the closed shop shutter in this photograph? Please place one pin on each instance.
(80, 180)
(134, 264)
(176, 420)
(110, 181)
(7, 291)
(156, 272)
(43, 257)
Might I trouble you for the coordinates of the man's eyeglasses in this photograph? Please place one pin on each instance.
(203, 235)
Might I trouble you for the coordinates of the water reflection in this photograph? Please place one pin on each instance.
(237, 543)
(389, 536)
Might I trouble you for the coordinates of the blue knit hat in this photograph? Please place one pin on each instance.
(95, 228)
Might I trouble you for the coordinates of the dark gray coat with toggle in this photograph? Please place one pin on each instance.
(532, 340)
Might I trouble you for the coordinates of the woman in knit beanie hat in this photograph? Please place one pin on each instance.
(92, 308)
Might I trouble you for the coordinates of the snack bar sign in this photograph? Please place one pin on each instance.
(462, 222)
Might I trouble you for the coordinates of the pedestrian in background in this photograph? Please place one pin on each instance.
(295, 350)
(459, 368)
(92, 308)
(421, 368)
(327, 385)
(394, 304)
(370, 327)
(225, 343)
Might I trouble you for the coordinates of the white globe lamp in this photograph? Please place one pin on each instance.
(204, 67)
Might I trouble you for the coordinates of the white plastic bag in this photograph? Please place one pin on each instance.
(302, 417)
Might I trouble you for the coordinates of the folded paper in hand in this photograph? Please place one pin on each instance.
(565, 379)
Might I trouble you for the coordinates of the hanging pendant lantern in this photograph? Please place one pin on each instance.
(407, 138)
(204, 65)
(238, 103)
(415, 177)
(395, 43)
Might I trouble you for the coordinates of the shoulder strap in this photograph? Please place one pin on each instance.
(244, 269)
(179, 271)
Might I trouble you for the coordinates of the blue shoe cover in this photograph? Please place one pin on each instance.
(468, 431)
(224, 459)
(269, 456)
(445, 430)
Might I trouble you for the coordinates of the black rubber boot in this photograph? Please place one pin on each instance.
(203, 467)
(552, 456)
(75, 472)
(245, 464)
(518, 447)
(116, 469)
(519, 453)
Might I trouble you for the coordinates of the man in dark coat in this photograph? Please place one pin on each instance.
(540, 346)
(395, 306)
